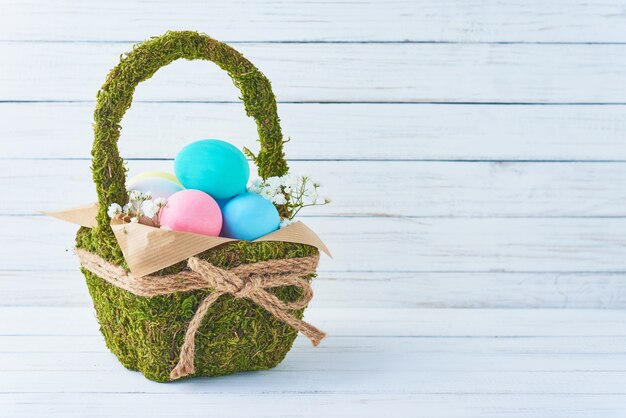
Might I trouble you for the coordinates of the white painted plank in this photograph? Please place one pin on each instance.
(337, 72)
(383, 188)
(83, 354)
(367, 323)
(352, 20)
(276, 382)
(331, 131)
(392, 244)
(43, 345)
(324, 404)
(377, 290)
(397, 368)
(462, 355)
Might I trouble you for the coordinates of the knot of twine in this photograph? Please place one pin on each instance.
(249, 281)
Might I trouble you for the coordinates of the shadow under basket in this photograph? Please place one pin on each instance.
(146, 334)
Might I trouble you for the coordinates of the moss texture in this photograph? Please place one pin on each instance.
(236, 335)
(146, 333)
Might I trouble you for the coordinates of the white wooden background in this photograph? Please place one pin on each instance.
(476, 154)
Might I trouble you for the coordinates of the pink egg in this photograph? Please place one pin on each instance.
(192, 211)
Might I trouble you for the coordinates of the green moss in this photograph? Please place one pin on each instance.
(236, 335)
(146, 333)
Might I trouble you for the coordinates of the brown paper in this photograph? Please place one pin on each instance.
(148, 249)
(82, 215)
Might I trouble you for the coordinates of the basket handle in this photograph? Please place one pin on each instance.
(116, 95)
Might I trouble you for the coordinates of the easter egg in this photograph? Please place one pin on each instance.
(158, 186)
(249, 216)
(213, 166)
(160, 174)
(192, 211)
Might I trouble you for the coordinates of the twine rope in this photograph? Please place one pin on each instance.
(249, 281)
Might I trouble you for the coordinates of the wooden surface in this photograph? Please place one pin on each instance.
(390, 72)
(476, 157)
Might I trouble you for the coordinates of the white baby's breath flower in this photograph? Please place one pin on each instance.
(292, 192)
(147, 195)
(267, 193)
(273, 183)
(255, 186)
(291, 181)
(327, 200)
(126, 209)
(135, 195)
(114, 210)
(309, 183)
(134, 219)
(160, 202)
(285, 222)
(279, 199)
(149, 209)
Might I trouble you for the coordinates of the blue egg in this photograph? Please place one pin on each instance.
(249, 216)
(214, 167)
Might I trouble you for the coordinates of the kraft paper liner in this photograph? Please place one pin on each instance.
(82, 215)
(148, 249)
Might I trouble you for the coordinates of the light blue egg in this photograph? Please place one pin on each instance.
(213, 166)
(158, 186)
(249, 216)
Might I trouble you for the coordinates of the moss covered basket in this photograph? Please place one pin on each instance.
(146, 333)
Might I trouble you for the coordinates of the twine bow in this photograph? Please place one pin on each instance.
(249, 281)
